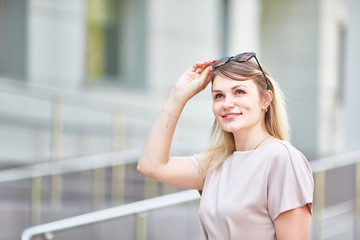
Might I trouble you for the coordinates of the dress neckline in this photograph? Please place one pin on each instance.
(258, 148)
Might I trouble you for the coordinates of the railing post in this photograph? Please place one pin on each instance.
(151, 188)
(118, 172)
(357, 202)
(48, 236)
(118, 184)
(167, 189)
(35, 201)
(56, 181)
(141, 227)
(99, 188)
(36, 188)
(319, 203)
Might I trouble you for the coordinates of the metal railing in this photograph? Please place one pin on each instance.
(129, 156)
(104, 215)
(319, 167)
(70, 165)
(120, 117)
(52, 117)
(108, 123)
(72, 98)
(97, 164)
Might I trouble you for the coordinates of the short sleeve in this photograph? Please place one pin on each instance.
(195, 160)
(290, 181)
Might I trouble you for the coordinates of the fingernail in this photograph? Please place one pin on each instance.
(211, 69)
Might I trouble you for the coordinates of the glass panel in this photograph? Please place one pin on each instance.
(95, 40)
(116, 42)
(13, 39)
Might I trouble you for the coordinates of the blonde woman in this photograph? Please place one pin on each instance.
(254, 183)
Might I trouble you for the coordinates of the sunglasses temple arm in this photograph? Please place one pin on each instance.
(261, 69)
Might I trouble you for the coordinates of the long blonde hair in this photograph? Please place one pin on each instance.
(222, 143)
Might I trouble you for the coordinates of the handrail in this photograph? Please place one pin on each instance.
(332, 162)
(318, 166)
(78, 164)
(131, 156)
(111, 213)
(72, 98)
(70, 165)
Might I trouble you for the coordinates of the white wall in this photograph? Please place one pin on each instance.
(352, 78)
(289, 44)
(56, 42)
(330, 43)
(180, 33)
(245, 26)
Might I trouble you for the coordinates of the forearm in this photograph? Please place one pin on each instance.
(156, 150)
(155, 154)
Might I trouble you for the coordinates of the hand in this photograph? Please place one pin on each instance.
(194, 80)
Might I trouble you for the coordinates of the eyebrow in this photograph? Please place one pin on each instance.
(236, 86)
(239, 85)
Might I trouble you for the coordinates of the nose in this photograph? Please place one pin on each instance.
(228, 102)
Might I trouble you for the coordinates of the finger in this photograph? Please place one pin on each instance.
(199, 67)
(206, 76)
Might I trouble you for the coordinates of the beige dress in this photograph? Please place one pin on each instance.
(242, 198)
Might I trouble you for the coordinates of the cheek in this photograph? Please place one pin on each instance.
(249, 104)
(215, 108)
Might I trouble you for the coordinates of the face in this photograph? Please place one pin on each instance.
(237, 105)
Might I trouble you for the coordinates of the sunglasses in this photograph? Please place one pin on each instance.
(242, 57)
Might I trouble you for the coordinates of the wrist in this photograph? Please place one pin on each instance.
(174, 104)
(178, 97)
(170, 115)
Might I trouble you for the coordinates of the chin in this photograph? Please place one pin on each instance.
(229, 129)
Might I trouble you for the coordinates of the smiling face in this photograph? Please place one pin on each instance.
(237, 105)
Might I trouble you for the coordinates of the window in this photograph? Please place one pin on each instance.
(13, 39)
(116, 42)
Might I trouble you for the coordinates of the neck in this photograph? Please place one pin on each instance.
(250, 139)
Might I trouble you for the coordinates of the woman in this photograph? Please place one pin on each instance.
(255, 185)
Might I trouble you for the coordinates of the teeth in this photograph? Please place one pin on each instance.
(232, 115)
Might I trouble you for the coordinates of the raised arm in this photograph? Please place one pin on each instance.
(154, 160)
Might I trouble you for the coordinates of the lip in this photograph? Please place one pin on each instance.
(230, 116)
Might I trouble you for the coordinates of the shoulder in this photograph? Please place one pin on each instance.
(284, 153)
(284, 147)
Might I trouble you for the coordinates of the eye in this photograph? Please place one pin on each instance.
(239, 91)
(217, 96)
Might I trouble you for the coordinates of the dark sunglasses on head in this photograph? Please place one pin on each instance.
(242, 57)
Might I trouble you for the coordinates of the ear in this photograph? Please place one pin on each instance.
(267, 99)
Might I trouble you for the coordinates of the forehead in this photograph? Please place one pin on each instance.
(221, 82)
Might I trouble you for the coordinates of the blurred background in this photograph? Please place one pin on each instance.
(81, 82)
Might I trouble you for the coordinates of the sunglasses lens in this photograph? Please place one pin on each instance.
(243, 57)
(220, 62)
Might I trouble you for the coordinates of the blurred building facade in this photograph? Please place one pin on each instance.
(130, 53)
(83, 77)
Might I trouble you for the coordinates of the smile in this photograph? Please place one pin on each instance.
(229, 116)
